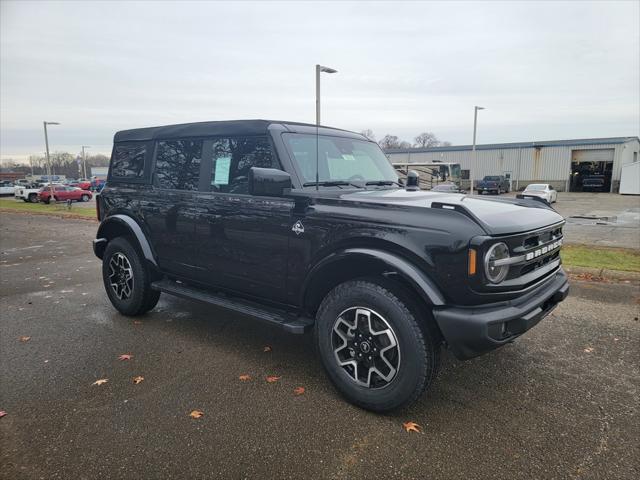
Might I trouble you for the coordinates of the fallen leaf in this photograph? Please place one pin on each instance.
(267, 348)
(100, 382)
(138, 379)
(245, 377)
(2, 413)
(298, 390)
(588, 350)
(24, 339)
(412, 427)
(196, 414)
(273, 378)
(125, 356)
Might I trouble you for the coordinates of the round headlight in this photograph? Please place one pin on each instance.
(492, 266)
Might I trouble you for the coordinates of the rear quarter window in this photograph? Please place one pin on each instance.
(128, 162)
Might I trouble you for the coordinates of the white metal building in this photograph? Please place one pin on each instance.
(562, 163)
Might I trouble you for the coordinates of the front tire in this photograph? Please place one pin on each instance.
(373, 347)
(126, 279)
(33, 198)
(85, 198)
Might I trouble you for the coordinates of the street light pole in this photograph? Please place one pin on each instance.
(84, 161)
(319, 70)
(473, 149)
(46, 142)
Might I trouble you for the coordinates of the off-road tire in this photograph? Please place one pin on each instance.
(418, 342)
(142, 297)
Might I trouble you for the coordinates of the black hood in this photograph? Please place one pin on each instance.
(496, 216)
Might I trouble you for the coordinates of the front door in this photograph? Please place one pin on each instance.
(242, 239)
(243, 243)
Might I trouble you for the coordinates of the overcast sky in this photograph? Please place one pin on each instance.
(544, 70)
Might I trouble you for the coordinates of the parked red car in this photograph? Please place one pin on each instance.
(62, 193)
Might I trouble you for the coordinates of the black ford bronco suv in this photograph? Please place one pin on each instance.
(308, 228)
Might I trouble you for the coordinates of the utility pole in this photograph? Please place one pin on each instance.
(84, 161)
(320, 69)
(473, 149)
(49, 167)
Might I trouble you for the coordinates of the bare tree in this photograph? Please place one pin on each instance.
(404, 144)
(98, 160)
(389, 141)
(426, 140)
(369, 134)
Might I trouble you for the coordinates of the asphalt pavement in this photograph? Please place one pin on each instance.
(561, 402)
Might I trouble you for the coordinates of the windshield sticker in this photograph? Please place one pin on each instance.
(349, 157)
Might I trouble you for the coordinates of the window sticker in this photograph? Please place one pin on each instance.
(221, 174)
(349, 157)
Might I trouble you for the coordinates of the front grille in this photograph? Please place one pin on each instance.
(540, 238)
(534, 256)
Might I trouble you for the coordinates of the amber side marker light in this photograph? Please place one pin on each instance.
(472, 261)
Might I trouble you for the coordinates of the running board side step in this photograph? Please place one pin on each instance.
(279, 318)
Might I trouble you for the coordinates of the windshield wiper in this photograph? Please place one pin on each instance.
(331, 183)
(384, 182)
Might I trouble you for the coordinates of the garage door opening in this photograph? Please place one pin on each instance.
(591, 170)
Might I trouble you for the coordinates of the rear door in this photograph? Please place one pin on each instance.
(170, 206)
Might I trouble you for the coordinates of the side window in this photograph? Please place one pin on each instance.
(128, 161)
(178, 164)
(234, 157)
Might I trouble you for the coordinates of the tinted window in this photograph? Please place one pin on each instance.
(178, 164)
(234, 157)
(128, 161)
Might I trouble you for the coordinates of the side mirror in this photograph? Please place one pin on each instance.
(268, 182)
(412, 183)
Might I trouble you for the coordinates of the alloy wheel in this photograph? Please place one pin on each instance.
(121, 276)
(366, 347)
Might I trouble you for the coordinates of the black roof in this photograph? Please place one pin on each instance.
(222, 128)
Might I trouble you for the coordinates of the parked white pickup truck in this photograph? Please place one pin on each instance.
(28, 194)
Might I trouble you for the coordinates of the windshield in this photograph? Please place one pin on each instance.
(492, 179)
(536, 186)
(340, 159)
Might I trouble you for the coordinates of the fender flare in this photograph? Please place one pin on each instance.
(418, 279)
(133, 227)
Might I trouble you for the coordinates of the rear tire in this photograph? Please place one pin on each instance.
(126, 279)
(397, 356)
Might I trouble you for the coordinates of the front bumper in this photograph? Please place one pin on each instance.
(472, 331)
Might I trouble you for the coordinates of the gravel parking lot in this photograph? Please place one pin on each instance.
(605, 219)
(562, 402)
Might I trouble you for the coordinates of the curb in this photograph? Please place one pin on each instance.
(602, 273)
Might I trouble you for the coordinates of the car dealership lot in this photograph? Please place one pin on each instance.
(603, 219)
(559, 403)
